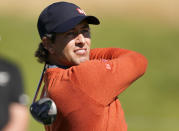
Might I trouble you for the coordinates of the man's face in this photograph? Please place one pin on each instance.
(72, 47)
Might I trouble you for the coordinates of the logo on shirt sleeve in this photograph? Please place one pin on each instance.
(108, 66)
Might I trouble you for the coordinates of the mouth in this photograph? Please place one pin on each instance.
(81, 51)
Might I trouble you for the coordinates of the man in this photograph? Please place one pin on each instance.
(84, 83)
(13, 110)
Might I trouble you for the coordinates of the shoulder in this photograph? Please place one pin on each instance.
(57, 73)
(83, 70)
(50, 72)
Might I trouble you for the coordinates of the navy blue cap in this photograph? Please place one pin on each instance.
(60, 17)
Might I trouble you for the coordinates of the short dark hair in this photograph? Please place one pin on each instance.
(41, 53)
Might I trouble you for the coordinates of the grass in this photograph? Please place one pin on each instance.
(150, 103)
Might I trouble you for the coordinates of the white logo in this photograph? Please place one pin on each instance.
(4, 78)
(81, 11)
(108, 66)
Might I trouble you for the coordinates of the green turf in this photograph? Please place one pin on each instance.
(151, 103)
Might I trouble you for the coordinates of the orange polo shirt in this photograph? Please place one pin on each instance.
(86, 95)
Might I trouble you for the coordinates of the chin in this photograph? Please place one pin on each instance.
(81, 60)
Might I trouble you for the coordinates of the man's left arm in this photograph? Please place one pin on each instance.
(109, 73)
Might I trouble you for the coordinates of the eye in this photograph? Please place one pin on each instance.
(86, 32)
(70, 33)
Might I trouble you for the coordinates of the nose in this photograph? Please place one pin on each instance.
(80, 40)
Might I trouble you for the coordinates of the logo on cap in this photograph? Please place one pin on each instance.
(81, 11)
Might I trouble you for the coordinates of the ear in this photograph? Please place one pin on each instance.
(48, 45)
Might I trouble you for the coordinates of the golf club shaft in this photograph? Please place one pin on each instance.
(39, 84)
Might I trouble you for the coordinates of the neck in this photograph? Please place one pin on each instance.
(53, 61)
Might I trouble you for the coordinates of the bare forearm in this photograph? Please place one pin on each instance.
(18, 120)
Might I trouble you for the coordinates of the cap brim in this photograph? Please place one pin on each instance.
(68, 25)
(92, 20)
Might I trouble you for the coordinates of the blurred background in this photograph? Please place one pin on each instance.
(150, 27)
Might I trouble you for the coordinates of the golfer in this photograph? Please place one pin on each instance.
(84, 83)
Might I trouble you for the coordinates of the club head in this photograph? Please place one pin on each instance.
(44, 111)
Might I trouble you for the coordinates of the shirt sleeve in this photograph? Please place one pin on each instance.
(107, 53)
(109, 72)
